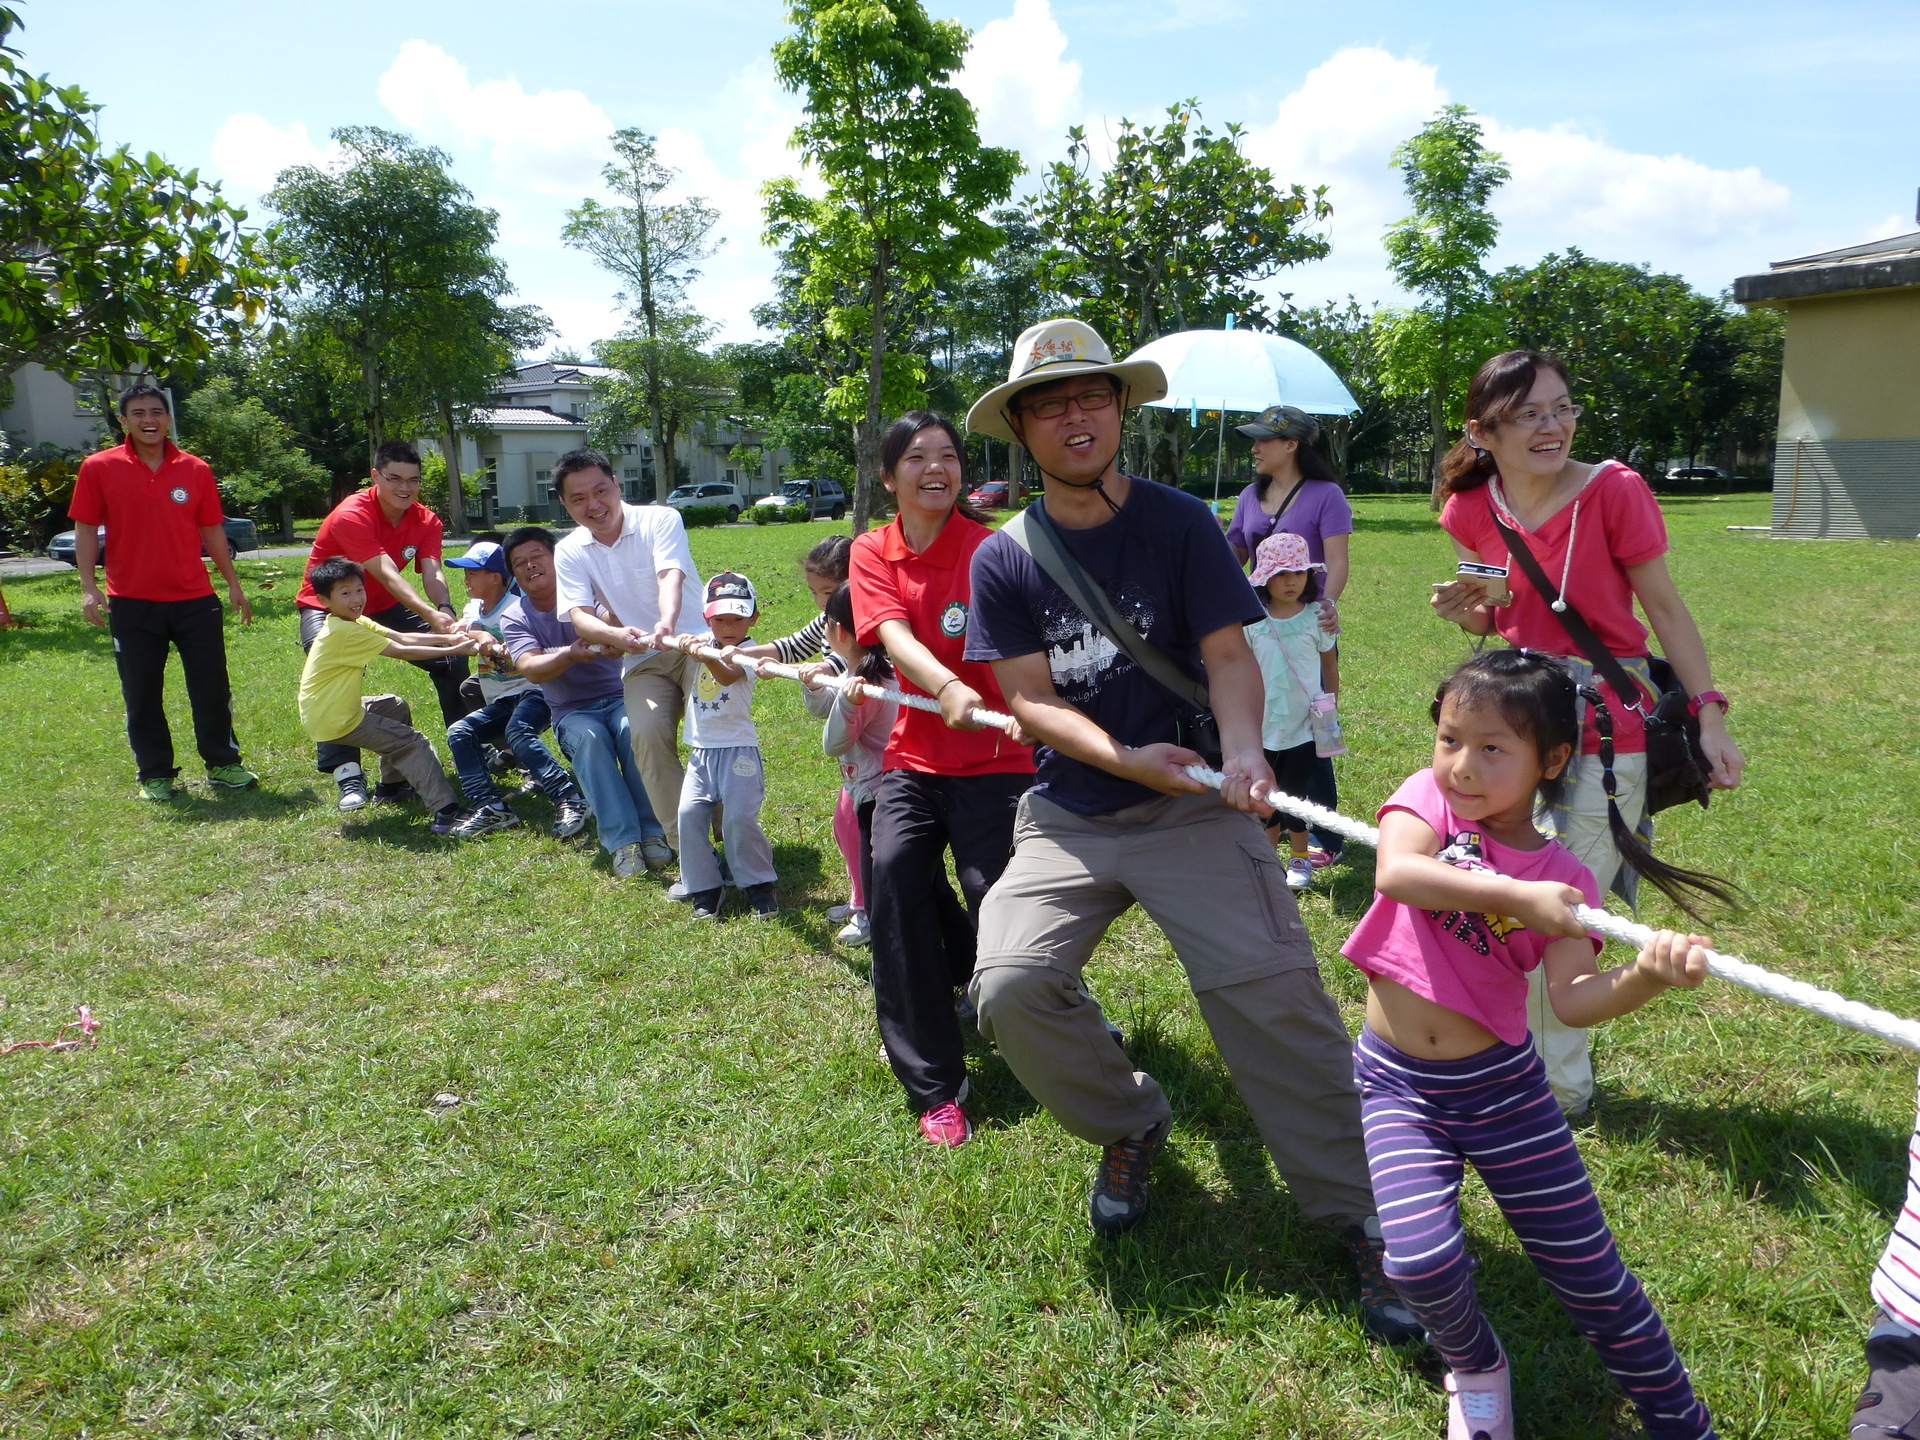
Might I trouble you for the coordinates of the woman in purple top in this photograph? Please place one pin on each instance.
(1297, 491)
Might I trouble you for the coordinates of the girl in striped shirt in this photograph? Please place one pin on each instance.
(1471, 898)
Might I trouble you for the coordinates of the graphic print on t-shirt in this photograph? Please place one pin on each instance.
(1079, 657)
(1463, 852)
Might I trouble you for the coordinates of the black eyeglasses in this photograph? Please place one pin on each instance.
(1054, 406)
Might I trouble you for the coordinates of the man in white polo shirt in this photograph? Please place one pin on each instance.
(633, 562)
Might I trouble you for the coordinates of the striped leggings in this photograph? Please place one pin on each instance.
(1896, 1279)
(1424, 1120)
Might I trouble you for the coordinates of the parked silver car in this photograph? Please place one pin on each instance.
(711, 493)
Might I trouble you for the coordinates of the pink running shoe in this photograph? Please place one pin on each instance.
(1320, 857)
(1480, 1406)
(946, 1125)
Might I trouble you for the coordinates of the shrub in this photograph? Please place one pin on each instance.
(695, 516)
(761, 514)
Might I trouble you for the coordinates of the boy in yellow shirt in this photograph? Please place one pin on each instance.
(332, 708)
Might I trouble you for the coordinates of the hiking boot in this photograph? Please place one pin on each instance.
(353, 786)
(765, 903)
(397, 792)
(158, 788)
(857, 931)
(484, 821)
(706, 904)
(1480, 1404)
(231, 777)
(1385, 1315)
(946, 1125)
(627, 861)
(569, 819)
(1119, 1198)
(1889, 1408)
(449, 819)
(657, 853)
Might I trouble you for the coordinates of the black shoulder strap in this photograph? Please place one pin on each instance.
(1571, 620)
(1034, 533)
(1273, 523)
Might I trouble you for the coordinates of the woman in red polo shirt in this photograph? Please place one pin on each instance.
(1598, 535)
(947, 784)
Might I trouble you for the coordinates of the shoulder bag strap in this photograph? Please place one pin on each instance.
(1273, 521)
(1602, 659)
(1033, 533)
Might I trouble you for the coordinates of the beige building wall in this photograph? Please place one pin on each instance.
(1852, 368)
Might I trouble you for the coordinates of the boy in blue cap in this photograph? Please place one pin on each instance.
(512, 710)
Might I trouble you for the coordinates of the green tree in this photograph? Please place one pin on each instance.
(1438, 253)
(673, 371)
(109, 261)
(455, 359)
(380, 246)
(655, 248)
(786, 399)
(252, 451)
(906, 184)
(1173, 235)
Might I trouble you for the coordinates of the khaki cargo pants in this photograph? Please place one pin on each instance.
(1209, 878)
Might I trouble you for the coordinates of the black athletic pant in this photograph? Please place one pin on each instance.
(142, 630)
(923, 939)
(1299, 771)
(446, 675)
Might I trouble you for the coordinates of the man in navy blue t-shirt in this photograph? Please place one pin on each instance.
(1114, 819)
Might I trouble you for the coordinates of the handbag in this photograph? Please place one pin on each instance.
(1194, 725)
(1677, 768)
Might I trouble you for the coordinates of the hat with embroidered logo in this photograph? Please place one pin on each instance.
(483, 555)
(731, 593)
(1282, 552)
(1054, 350)
(1281, 422)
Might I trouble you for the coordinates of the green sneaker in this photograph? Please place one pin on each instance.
(158, 788)
(232, 777)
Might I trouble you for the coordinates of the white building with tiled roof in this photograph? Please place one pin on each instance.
(540, 413)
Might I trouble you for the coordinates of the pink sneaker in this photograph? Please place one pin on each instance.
(1320, 858)
(946, 1125)
(1480, 1405)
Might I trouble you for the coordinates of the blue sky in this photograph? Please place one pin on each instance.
(1703, 138)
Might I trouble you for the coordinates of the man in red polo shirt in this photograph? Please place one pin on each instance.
(163, 507)
(384, 528)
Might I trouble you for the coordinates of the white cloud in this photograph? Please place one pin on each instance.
(550, 141)
(1567, 187)
(1025, 90)
(249, 152)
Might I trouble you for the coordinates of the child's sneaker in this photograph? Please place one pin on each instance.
(765, 903)
(1320, 857)
(396, 793)
(1889, 1407)
(231, 777)
(449, 819)
(1299, 873)
(353, 786)
(484, 821)
(158, 788)
(839, 912)
(569, 819)
(706, 904)
(858, 929)
(1480, 1405)
(946, 1125)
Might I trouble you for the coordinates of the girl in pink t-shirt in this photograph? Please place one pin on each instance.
(1598, 535)
(1471, 898)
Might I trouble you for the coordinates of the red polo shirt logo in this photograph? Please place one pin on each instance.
(179, 493)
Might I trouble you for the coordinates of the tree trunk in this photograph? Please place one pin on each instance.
(376, 419)
(866, 434)
(456, 493)
(1016, 463)
(286, 518)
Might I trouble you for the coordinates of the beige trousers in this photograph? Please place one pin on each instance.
(1582, 827)
(386, 728)
(656, 695)
(1209, 878)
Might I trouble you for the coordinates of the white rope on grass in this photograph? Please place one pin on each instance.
(1798, 993)
(1824, 1003)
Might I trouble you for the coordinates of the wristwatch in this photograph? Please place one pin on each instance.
(1707, 697)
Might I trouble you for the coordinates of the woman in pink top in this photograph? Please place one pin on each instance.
(1597, 533)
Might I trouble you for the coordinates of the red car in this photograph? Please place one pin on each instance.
(991, 496)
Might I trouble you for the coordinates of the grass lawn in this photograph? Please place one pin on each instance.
(679, 1194)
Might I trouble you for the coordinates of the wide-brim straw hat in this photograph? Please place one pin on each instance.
(1054, 350)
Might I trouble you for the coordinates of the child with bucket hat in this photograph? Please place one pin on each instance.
(1299, 664)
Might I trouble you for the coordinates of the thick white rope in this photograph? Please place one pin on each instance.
(1799, 993)
(1824, 1003)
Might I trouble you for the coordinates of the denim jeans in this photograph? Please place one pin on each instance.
(518, 719)
(596, 739)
